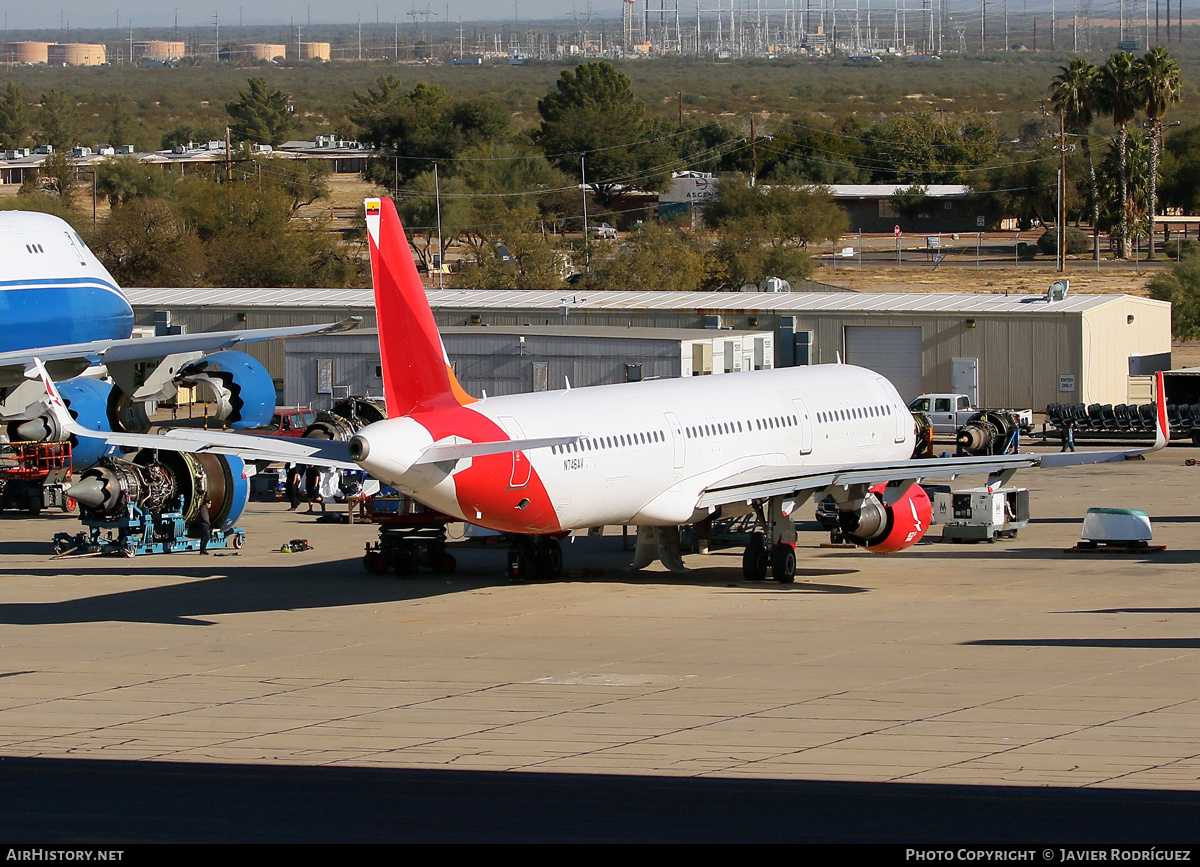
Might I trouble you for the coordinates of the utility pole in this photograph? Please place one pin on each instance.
(583, 186)
(753, 153)
(1061, 219)
(437, 192)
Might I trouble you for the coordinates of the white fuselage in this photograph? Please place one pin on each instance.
(649, 448)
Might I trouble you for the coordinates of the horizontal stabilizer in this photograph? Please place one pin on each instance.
(436, 454)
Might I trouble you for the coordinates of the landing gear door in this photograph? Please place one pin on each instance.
(521, 471)
(677, 440)
(806, 435)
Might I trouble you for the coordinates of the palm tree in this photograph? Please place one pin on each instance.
(1120, 99)
(1158, 85)
(1074, 94)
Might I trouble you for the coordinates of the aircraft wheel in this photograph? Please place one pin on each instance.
(443, 563)
(518, 566)
(783, 563)
(375, 562)
(408, 559)
(548, 559)
(755, 559)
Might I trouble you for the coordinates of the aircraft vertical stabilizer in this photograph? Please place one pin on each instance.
(416, 371)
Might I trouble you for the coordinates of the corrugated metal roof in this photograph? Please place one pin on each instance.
(875, 191)
(785, 302)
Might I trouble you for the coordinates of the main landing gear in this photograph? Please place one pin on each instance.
(780, 554)
(535, 557)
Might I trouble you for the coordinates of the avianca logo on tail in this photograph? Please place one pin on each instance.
(372, 206)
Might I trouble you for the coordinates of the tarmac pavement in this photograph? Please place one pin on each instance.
(995, 683)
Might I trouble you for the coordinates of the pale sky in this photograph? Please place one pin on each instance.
(160, 13)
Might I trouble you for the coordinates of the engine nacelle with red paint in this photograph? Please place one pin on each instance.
(884, 528)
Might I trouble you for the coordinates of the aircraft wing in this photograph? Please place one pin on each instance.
(250, 447)
(786, 481)
(138, 348)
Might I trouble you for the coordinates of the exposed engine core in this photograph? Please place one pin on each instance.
(988, 432)
(886, 528)
(164, 481)
(345, 418)
(239, 386)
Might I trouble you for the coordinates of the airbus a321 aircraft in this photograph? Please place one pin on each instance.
(655, 454)
(60, 304)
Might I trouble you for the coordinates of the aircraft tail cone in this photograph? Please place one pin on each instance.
(89, 493)
(34, 431)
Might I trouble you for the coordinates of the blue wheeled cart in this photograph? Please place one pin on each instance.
(141, 532)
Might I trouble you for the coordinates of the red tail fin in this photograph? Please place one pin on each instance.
(416, 372)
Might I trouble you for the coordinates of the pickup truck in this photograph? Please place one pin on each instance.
(949, 412)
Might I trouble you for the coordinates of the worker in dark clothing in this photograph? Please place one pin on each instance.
(204, 525)
(293, 486)
(312, 487)
(1068, 437)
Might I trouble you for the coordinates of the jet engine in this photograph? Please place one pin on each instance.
(86, 400)
(158, 482)
(988, 432)
(345, 418)
(239, 385)
(885, 528)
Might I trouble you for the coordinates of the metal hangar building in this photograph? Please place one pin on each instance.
(1010, 350)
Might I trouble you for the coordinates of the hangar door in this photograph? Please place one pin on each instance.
(893, 351)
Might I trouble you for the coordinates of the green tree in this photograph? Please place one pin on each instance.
(1074, 93)
(55, 178)
(800, 152)
(305, 181)
(930, 147)
(528, 261)
(260, 116)
(1181, 286)
(16, 117)
(911, 203)
(418, 210)
(794, 215)
(58, 120)
(144, 242)
(123, 179)
(1181, 170)
(1158, 85)
(1126, 203)
(1023, 185)
(765, 230)
(414, 130)
(593, 126)
(657, 258)
(1119, 98)
(183, 133)
(121, 128)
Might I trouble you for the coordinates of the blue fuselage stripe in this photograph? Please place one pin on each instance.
(48, 312)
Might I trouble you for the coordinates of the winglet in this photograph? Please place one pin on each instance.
(1162, 431)
(54, 402)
